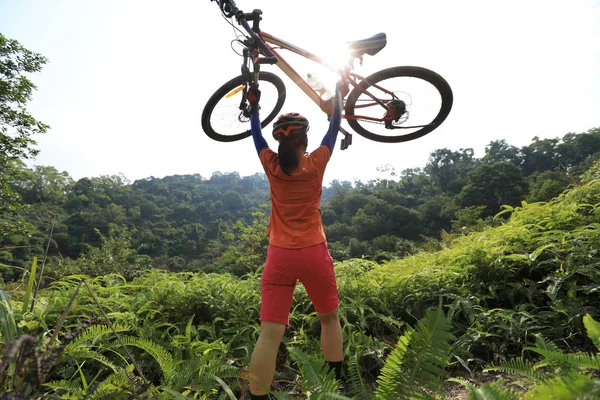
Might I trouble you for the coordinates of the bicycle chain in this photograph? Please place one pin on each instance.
(368, 120)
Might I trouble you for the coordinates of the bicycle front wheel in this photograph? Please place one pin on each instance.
(399, 104)
(222, 118)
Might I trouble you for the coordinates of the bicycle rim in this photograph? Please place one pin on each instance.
(425, 97)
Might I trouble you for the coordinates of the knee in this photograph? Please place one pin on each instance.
(329, 317)
(272, 332)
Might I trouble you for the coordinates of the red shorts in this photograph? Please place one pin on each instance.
(313, 266)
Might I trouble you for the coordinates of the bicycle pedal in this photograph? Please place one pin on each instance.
(347, 141)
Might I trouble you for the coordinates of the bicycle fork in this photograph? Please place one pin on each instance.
(251, 79)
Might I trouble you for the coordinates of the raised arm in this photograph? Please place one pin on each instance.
(259, 141)
(335, 119)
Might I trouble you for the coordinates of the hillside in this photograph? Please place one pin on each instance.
(527, 283)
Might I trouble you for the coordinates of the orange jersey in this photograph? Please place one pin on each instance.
(296, 200)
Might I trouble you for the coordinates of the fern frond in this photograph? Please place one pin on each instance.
(542, 344)
(92, 334)
(83, 354)
(317, 378)
(116, 386)
(160, 354)
(282, 396)
(109, 391)
(357, 386)
(572, 386)
(566, 362)
(64, 386)
(463, 382)
(583, 361)
(518, 366)
(211, 366)
(487, 391)
(493, 391)
(593, 329)
(419, 360)
(174, 394)
(186, 370)
(390, 379)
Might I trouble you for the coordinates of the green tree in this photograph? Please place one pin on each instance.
(494, 186)
(468, 220)
(248, 246)
(499, 150)
(449, 168)
(541, 155)
(546, 185)
(17, 126)
(438, 212)
(114, 256)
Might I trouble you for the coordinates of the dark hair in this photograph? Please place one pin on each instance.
(288, 153)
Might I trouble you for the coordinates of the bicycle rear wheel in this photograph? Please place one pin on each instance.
(222, 119)
(416, 102)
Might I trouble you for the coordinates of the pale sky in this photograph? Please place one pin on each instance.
(127, 80)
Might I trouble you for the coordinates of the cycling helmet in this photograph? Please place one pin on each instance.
(289, 123)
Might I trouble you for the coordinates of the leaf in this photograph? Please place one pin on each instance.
(358, 387)
(225, 387)
(317, 377)
(593, 329)
(7, 319)
(30, 283)
(173, 393)
(419, 360)
(533, 256)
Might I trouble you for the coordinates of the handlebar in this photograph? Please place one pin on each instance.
(229, 8)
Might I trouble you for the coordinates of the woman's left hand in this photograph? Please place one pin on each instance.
(342, 87)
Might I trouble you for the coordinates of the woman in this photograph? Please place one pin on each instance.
(297, 243)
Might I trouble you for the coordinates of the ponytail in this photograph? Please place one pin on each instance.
(288, 153)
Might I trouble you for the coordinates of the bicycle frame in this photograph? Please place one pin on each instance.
(352, 78)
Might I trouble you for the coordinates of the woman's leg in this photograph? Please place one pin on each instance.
(318, 278)
(331, 336)
(262, 363)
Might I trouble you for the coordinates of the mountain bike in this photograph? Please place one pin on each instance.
(385, 106)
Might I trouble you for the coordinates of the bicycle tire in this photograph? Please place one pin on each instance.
(440, 84)
(213, 101)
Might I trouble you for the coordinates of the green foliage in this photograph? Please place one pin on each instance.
(358, 387)
(572, 386)
(115, 256)
(7, 319)
(189, 223)
(593, 330)
(16, 124)
(419, 360)
(17, 128)
(30, 284)
(468, 219)
(544, 186)
(247, 251)
(493, 185)
(318, 379)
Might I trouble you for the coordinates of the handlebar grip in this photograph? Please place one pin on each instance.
(268, 60)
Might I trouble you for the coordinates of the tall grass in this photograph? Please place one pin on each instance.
(30, 283)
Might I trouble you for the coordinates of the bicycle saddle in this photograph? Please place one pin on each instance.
(370, 46)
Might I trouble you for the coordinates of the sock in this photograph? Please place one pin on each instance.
(337, 366)
(259, 397)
